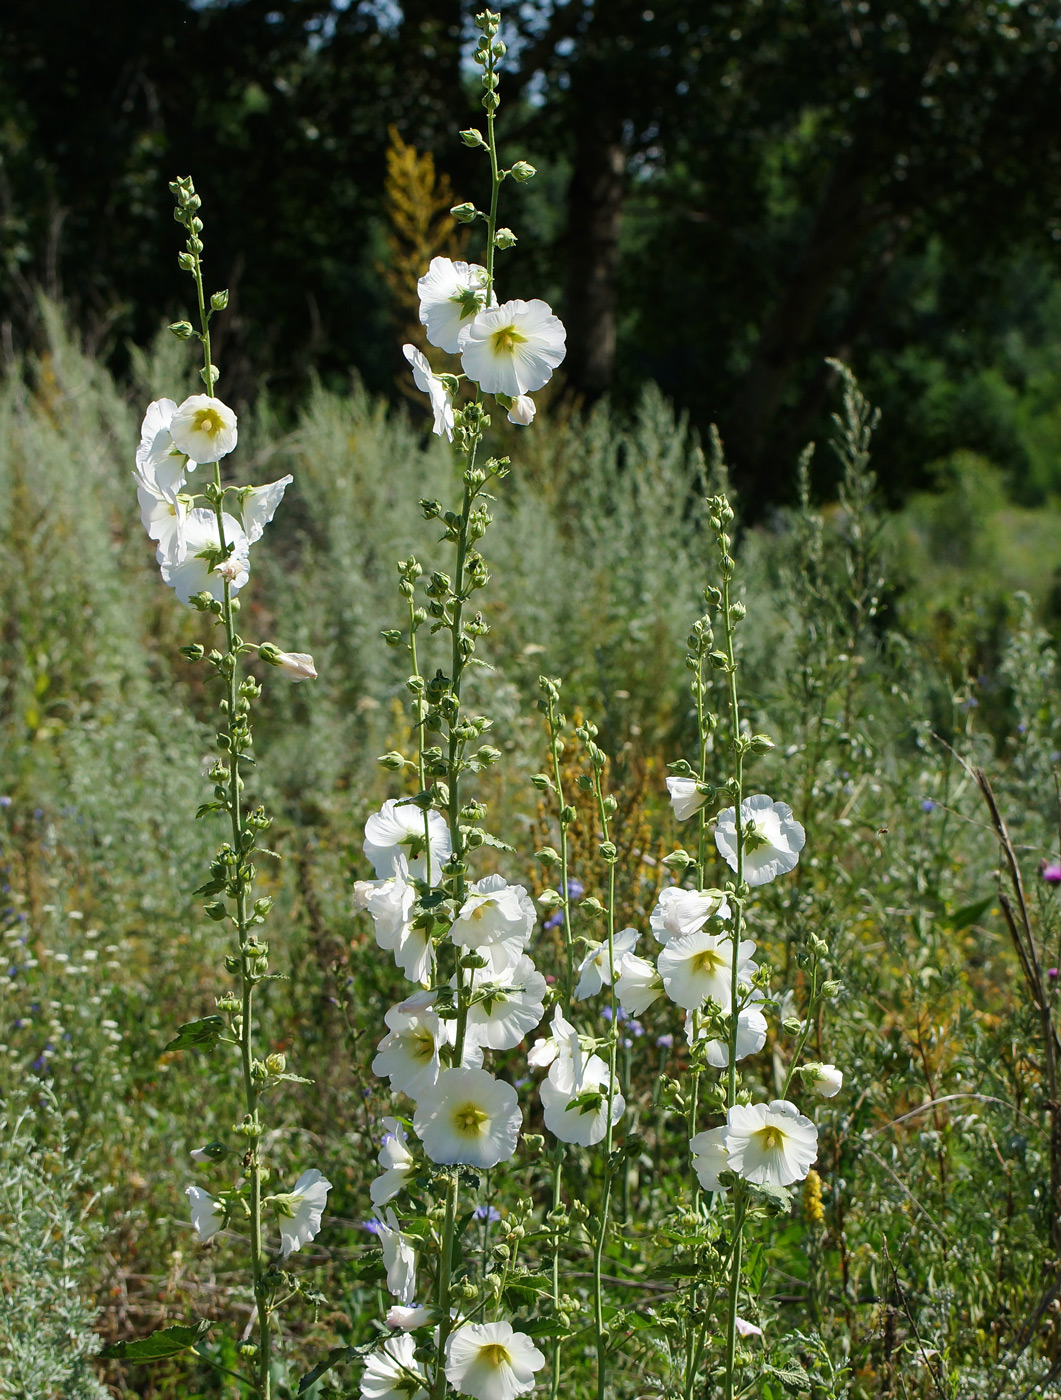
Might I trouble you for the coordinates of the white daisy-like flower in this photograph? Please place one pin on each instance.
(300, 1211)
(522, 411)
(710, 1157)
(393, 1372)
(512, 1005)
(491, 1361)
(513, 349)
(451, 295)
(685, 797)
(826, 1080)
(700, 965)
(206, 1213)
(404, 1319)
(399, 1259)
(595, 970)
(637, 984)
(770, 1144)
(679, 911)
(408, 1054)
(259, 503)
(204, 428)
(468, 1117)
(496, 915)
(397, 1161)
(435, 388)
(751, 1037)
(773, 838)
(190, 574)
(397, 830)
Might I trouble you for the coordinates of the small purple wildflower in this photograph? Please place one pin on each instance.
(1052, 973)
(575, 888)
(635, 1027)
(1050, 870)
(664, 1041)
(371, 1227)
(486, 1213)
(6, 801)
(555, 919)
(928, 805)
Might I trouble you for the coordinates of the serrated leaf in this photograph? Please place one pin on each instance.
(496, 842)
(169, 1342)
(792, 1375)
(778, 1198)
(198, 1035)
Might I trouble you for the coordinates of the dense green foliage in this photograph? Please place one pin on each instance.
(885, 652)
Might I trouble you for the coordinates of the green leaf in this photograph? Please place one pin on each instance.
(334, 1358)
(544, 1327)
(969, 913)
(496, 842)
(199, 1035)
(792, 1376)
(776, 1198)
(169, 1342)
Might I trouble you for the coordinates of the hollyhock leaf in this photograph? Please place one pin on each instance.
(198, 1035)
(170, 1341)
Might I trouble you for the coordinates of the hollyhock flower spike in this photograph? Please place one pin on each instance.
(451, 295)
(207, 1214)
(491, 1361)
(513, 349)
(204, 428)
(469, 1118)
(393, 1372)
(772, 842)
(399, 1259)
(770, 1144)
(436, 390)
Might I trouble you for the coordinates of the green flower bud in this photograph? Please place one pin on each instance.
(183, 330)
(219, 301)
(465, 213)
(474, 138)
(392, 760)
(504, 238)
(523, 170)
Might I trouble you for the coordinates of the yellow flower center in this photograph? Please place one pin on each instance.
(506, 339)
(710, 960)
(480, 909)
(423, 1044)
(770, 1139)
(468, 1118)
(208, 421)
(494, 1354)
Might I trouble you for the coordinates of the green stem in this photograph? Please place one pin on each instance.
(438, 1385)
(555, 740)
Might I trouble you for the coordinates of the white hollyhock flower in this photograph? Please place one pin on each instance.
(259, 503)
(772, 843)
(207, 1213)
(393, 1372)
(408, 1319)
(435, 388)
(390, 902)
(399, 1259)
(298, 665)
(685, 797)
(305, 1202)
(469, 1117)
(451, 295)
(826, 1080)
(190, 574)
(496, 915)
(747, 1329)
(679, 911)
(164, 520)
(408, 1054)
(575, 1095)
(770, 1144)
(400, 830)
(700, 965)
(158, 458)
(397, 1161)
(557, 1047)
(491, 1361)
(751, 1037)
(522, 411)
(595, 970)
(710, 1157)
(204, 428)
(513, 349)
(637, 984)
(514, 1004)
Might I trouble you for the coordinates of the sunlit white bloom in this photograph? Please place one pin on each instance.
(190, 574)
(543, 1052)
(772, 842)
(826, 1080)
(637, 984)
(770, 1144)
(207, 1213)
(575, 1095)
(495, 915)
(408, 1054)
(158, 458)
(522, 411)
(751, 1036)
(469, 1117)
(306, 1203)
(595, 970)
(204, 428)
(513, 349)
(512, 1005)
(259, 505)
(399, 1259)
(400, 830)
(298, 665)
(557, 1050)
(393, 1372)
(685, 797)
(700, 965)
(435, 389)
(451, 295)
(491, 1361)
(164, 520)
(397, 1162)
(679, 911)
(710, 1157)
(404, 1319)
(390, 902)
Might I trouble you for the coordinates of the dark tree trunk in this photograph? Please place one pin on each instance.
(594, 215)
